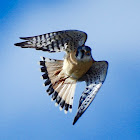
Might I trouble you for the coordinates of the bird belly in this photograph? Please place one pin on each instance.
(76, 70)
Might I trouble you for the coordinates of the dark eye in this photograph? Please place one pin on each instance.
(82, 51)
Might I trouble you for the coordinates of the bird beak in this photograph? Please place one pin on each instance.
(87, 52)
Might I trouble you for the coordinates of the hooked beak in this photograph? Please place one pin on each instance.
(87, 52)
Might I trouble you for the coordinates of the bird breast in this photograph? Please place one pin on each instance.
(75, 68)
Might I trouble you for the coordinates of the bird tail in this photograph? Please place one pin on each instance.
(60, 86)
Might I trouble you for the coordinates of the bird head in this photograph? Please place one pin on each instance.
(83, 53)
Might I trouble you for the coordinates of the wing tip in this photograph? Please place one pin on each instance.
(78, 115)
(25, 44)
(17, 44)
(75, 120)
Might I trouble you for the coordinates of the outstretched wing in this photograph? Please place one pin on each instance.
(66, 40)
(94, 79)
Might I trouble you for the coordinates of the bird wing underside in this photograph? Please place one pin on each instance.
(94, 79)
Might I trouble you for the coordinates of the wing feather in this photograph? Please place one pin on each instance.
(94, 79)
(66, 40)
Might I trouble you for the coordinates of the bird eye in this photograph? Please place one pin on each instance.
(82, 51)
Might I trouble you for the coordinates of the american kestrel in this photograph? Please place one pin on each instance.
(62, 75)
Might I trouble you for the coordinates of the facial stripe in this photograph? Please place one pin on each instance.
(83, 52)
(77, 53)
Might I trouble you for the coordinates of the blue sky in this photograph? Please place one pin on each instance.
(113, 29)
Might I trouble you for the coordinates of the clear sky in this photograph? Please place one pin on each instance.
(113, 28)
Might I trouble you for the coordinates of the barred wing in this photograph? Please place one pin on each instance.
(94, 79)
(66, 40)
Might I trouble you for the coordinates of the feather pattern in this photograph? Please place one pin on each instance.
(67, 40)
(60, 87)
(94, 79)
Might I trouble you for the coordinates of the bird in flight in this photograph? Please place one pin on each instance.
(78, 65)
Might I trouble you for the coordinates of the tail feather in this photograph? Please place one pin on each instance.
(50, 89)
(64, 94)
(61, 87)
(71, 97)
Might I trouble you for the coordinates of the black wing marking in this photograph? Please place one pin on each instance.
(66, 40)
(94, 79)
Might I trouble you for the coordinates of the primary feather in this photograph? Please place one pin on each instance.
(66, 40)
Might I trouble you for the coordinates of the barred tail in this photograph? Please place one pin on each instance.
(60, 86)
